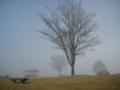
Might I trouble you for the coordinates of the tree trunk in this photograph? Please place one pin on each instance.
(59, 72)
(72, 70)
(73, 65)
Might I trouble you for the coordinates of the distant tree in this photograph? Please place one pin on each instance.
(4, 77)
(31, 73)
(58, 63)
(7, 76)
(100, 68)
(70, 28)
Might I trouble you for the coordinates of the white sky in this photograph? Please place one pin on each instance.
(22, 48)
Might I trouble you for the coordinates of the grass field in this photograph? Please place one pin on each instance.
(66, 83)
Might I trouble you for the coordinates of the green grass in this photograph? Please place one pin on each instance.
(66, 83)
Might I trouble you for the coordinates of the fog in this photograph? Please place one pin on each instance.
(22, 48)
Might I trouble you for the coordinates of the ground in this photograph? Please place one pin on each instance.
(66, 83)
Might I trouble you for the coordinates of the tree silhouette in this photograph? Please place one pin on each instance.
(58, 63)
(70, 28)
(30, 73)
(100, 68)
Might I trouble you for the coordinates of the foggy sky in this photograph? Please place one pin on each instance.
(22, 48)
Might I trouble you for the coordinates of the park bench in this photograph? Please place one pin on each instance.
(19, 80)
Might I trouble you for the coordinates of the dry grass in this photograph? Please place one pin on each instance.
(66, 83)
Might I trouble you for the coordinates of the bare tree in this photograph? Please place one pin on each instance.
(58, 63)
(100, 68)
(31, 73)
(70, 28)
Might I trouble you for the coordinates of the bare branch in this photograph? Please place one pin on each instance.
(70, 28)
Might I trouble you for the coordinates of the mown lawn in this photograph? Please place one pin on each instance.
(66, 83)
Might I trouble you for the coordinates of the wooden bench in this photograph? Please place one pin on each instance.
(19, 80)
